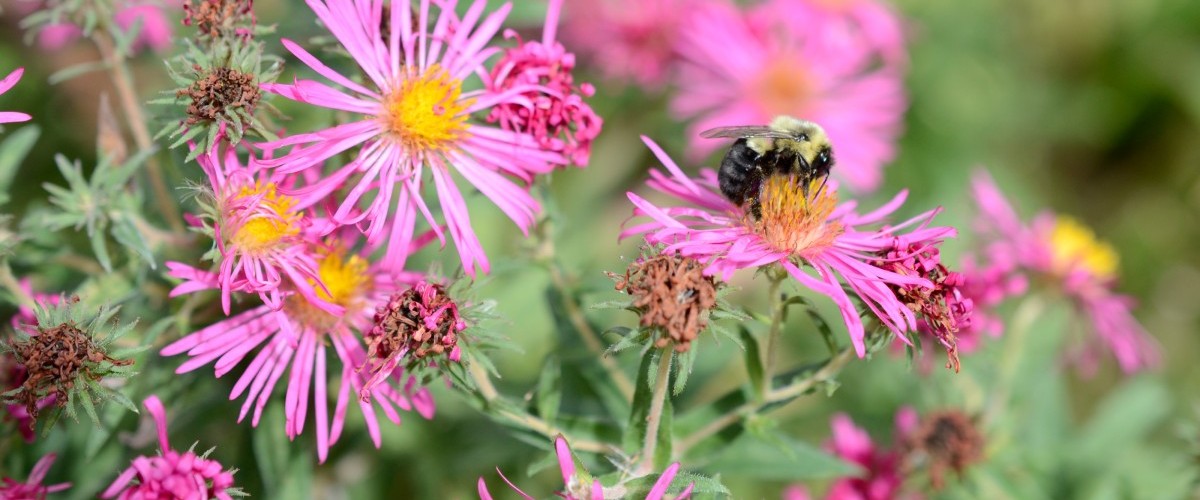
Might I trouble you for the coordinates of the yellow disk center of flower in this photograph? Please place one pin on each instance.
(425, 113)
(270, 223)
(346, 283)
(783, 87)
(1074, 244)
(794, 217)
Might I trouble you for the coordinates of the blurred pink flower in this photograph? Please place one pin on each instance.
(853, 23)
(155, 31)
(415, 116)
(171, 474)
(257, 229)
(576, 485)
(883, 469)
(763, 65)
(628, 40)
(1061, 251)
(559, 118)
(298, 335)
(794, 229)
(32, 488)
(7, 83)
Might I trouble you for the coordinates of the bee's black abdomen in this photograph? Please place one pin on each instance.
(738, 176)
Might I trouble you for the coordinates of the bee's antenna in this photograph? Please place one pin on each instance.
(822, 188)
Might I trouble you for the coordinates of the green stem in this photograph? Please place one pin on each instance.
(793, 390)
(123, 82)
(777, 315)
(535, 424)
(1015, 339)
(658, 401)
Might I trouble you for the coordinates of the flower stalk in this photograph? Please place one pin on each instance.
(658, 401)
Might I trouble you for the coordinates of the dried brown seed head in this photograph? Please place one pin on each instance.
(949, 440)
(212, 17)
(218, 90)
(672, 294)
(54, 359)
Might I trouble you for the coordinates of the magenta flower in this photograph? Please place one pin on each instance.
(762, 66)
(171, 474)
(257, 230)
(864, 23)
(414, 116)
(579, 485)
(7, 83)
(298, 336)
(32, 488)
(794, 229)
(883, 469)
(559, 118)
(629, 40)
(944, 309)
(1060, 250)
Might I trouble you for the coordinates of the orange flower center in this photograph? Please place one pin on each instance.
(783, 88)
(794, 216)
(346, 282)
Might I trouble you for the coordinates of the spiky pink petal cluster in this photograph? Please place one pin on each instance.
(839, 247)
(558, 118)
(170, 474)
(32, 488)
(296, 339)
(413, 116)
(7, 83)
(412, 325)
(1012, 246)
(575, 486)
(762, 65)
(945, 310)
(883, 468)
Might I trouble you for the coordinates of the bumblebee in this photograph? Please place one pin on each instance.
(787, 146)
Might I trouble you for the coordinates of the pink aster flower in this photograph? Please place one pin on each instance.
(870, 23)
(171, 474)
(579, 485)
(799, 225)
(763, 65)
(414, 116)
(257, 231)
(155, 31)
(32, 488)
(559, 118)
(298, 336)
(628, 40)
(1061, 251)
(7, 83)
(883, 469)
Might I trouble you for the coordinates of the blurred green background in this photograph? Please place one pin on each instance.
(1085, 107)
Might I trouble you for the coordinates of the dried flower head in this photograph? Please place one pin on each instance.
(213, 18)
(219, 91)
(65, 355)
(32, 488)
(943, 309)
(948, 440)
(420, 322)
(673, 294)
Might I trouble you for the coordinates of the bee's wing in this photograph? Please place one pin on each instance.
(745, 131)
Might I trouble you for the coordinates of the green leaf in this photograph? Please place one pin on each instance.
(100, 248)
(549, 391)
(75, 70)
(780, 459)
(13, 151)
(754, 365)
(129, 237)
(1124, 419)
(702, 486)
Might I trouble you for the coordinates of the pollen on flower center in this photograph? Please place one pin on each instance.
(783, 87)
(794, 217)
(345, 282)
(425, 113)
(1074, 245)
(269, 222)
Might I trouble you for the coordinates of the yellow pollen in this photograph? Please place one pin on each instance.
(1074, 244)
(275, 221)
(425, 113)
(346, 283)
(794, 219)
(783, 88)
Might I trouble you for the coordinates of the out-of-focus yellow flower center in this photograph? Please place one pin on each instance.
(276, 221)
(783, 87)
(346, 282)
(1075, 244)
(794, 218)
(425, 114)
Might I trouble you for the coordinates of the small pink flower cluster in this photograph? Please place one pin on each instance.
(883, 473)
(32, 488)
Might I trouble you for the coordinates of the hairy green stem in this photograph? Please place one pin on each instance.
(795, 389)
(490, 394)
(123, 82)
(658, 401)
(778, 309)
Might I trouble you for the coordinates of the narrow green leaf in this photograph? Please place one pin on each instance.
(100, 248)
(549, 390)
(754, 365)
(781, 459)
